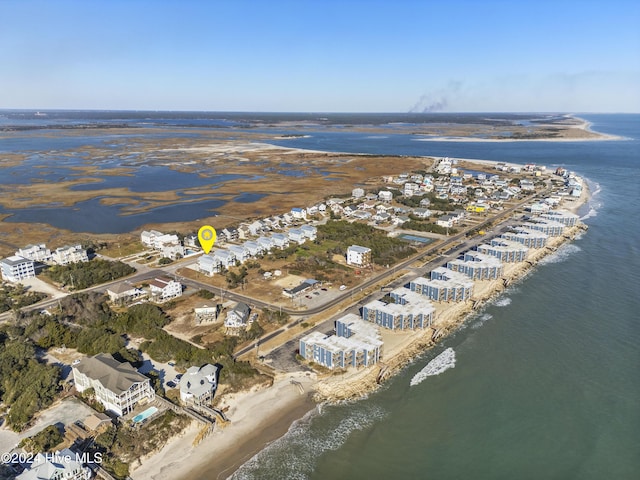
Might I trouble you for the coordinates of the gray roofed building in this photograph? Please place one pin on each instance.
(237, 317)
(65, 465)
(118, 386)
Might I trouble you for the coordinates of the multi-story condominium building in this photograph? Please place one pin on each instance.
(355, 344)
(529, 238)
(477, 266)
(444, 286)
(118, 386)
(17, 268)
(70, 254)
(37, 253)
(208, 264)
(360, 256)
(548, 227)
(410, 311)
(566, 218)
(507, 251)
(198, 385)
(163, 289)
(62, 465)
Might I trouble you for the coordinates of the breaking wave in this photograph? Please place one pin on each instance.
(481, 319)
(594, 204)
(560, 255)
(442, 362)
(294, 455)
(502, 302)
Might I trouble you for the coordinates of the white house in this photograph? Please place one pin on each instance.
(163, 289)
(70, 254)
(422, 212)
(238, 316)
(62, 465)
(357, 193)
(446, 221)
(17, 268)
(198, 385)
(148, 238)
(410, 189)
(241, 253)
(357, 255)
(310, 231)
(299, 213)
(209, 265)
(225, 258)
(280, 240)
(297, 235)
(37, 253)
(118, 386)
(266, 243)
(254, 248)
(123, 292)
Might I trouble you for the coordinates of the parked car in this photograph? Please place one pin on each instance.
(343, 287)
(171, 385)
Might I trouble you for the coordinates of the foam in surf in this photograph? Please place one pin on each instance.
(442, 362)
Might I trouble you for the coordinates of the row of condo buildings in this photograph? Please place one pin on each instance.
(412, 308)
(232, 255)
(22, 265)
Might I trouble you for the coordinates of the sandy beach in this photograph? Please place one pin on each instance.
(258, 417)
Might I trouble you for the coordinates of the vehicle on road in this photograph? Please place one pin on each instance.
(343, 287)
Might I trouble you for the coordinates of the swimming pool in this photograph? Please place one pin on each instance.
(144, 415)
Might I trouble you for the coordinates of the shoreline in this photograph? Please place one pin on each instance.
(260, 417)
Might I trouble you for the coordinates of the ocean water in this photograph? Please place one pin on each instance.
(546, 383)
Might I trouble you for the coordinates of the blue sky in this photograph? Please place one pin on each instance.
(321, 56)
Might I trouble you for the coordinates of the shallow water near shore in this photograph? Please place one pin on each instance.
(546, 379)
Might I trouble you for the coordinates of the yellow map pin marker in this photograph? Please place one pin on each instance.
(207, 236)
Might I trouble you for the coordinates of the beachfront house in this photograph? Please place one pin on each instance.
(117, 386)
(444, 286)
(355, 344)
(37, 253)
(69, 254)
(17, 268)
(198, 385)
(477, 266)
(408, 311)
(238, 316)
(163, 289)
(61, 465)
(359, 256)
